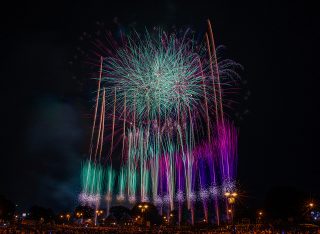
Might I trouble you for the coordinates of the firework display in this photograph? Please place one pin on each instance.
(160, 110)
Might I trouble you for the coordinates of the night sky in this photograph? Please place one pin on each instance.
(46, 90)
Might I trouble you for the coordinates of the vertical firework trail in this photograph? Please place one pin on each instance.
(96, 109)
(113, 120)
(110, 176)
(124, 129)
(121, 184)
(179, 195)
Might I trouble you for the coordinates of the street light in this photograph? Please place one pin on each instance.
(231, 198)
(99, 212)
(260, 214)
(79, 214)
(143, 208)
(165, 219)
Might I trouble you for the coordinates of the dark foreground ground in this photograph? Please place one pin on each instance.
(55, 229)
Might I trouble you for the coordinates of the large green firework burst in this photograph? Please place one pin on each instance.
(156, 75)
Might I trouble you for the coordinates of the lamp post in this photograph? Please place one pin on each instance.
(79, 215)
(165, 219)
(171, 218)
(310, 207)
(143, 209)
(231, 199)
(260, 214)
(68, 217)
(98, 213)
(61, 217)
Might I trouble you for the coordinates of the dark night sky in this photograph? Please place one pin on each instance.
(45, 102)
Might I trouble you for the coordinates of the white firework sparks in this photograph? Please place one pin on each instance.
(132, 199)
(192, 196)
(180, 196)
(158, 200)
(166, 199)
(214, 191)
(228, 186)
(108, 197)
(120, 197)
(203, 194)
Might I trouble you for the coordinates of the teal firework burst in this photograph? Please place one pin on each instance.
(158, 75)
